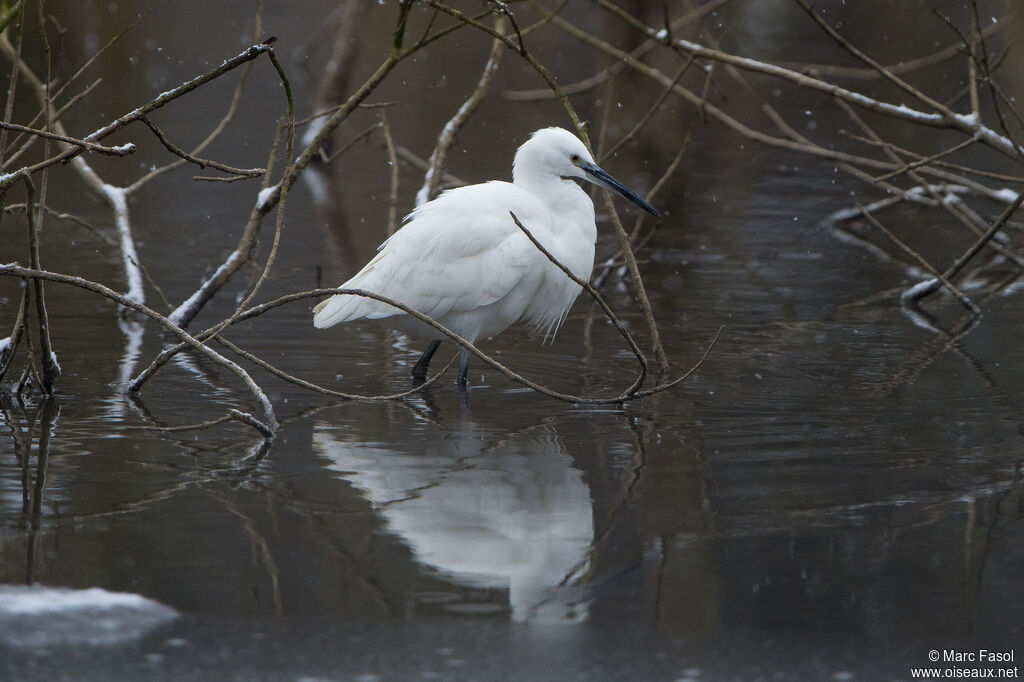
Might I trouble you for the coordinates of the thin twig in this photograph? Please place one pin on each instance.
(885, 73)
(202, 163)
(950, 207)
(999, 98)
(285, 185)
(617, 66)
(968, 303)
(650, 110)
(432, 178)
(984, 239)
(12, 83)
(942, 117)
(904, 66)
(247, 55)
(960, 169)
(229, 115)
(389, 145)
(412, 159)
(926, 160)
(616, 260)
(686, 375)
(308, 385)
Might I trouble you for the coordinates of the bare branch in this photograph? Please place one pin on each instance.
(49, 369)
(202, 163)
(165, 98)
(119, 150)
(281, 374)
(432, 179)
(968, 303)
(389, 144)
(885, 73)
(942, 117)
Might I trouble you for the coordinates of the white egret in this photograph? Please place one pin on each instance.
(462, 260)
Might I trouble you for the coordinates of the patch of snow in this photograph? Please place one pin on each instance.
(969, 120)
(1006, 194)
(187, 308)
(919, 288)
(909, 113)
(118, 200)
(688, 45)
(312, 131)
(265, 196)
(423, 194)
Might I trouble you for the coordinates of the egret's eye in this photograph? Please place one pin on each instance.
(575, 158)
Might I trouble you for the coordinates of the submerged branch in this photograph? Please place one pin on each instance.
(49, 368)
(14, 270)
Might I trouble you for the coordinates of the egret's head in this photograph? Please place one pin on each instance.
(556, 153)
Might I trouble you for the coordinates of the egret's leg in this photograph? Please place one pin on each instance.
(464, 367)
(419, 370)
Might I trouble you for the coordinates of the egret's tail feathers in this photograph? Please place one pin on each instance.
(346, 307)
(336, 309)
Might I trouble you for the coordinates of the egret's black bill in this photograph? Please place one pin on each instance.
(598, 176)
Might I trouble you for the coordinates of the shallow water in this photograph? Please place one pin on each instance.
(833, 494)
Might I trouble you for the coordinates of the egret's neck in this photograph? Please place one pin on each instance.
(572, 231)
(570, 207)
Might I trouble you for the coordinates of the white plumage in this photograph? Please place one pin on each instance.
(462, 260)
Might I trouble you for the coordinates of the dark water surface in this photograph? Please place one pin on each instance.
(835, 493)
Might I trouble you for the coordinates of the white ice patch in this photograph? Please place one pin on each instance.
(32, 616)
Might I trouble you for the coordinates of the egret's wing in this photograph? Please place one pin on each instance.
(455, 254)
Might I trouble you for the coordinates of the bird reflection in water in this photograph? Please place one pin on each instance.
(512, 514)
